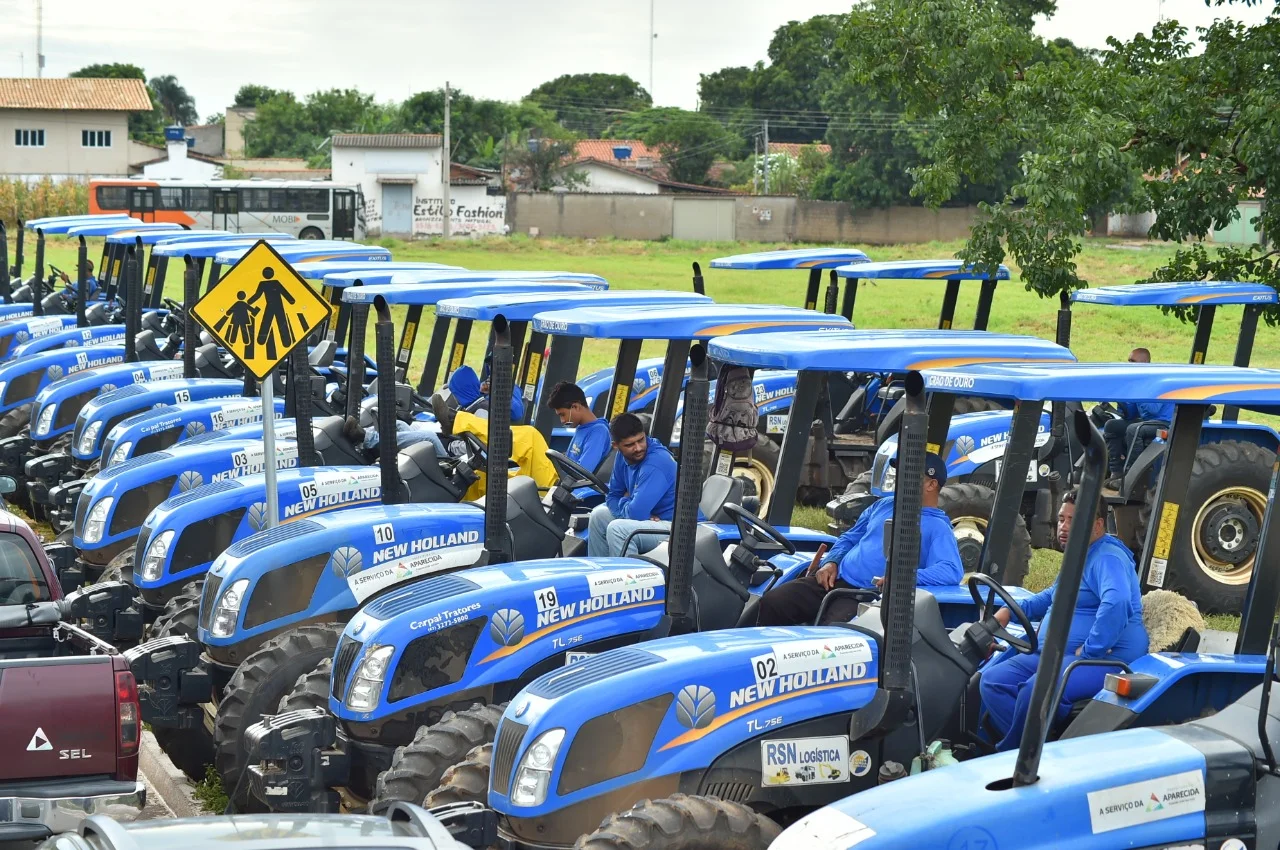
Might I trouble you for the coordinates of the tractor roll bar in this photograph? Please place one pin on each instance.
(497, 537)
(6, 288)
(82, 283)
(1053, 646)
(684, 521)
(898, 606)
(384, 346)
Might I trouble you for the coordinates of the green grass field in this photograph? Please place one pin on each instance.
(1099, 333)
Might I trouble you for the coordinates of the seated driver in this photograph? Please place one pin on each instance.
(1106, 623)
(857, 560)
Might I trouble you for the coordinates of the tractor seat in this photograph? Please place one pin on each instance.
(322, 355)
(333, 445)
(522, 491)
(148, 347)
(419, 469)
(718, 491)
(209, 362)
(153, 322)
(846, 421)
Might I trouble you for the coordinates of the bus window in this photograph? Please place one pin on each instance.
(255, 200)
(199, 200)
(170, 198)
(313, 200)
(113, 198)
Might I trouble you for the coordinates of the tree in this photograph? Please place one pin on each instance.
(111, 71)
(541, 163)
(689, 142)
(173, 100)
(1182, 127)
(287, 127)
(477, 126)
(586, 103)
(250, 96)
(144, 126)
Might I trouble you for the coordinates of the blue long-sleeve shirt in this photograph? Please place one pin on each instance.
(646, 489)
(1108, 613)
(590, 444)
(1162, 411)
(860, 550)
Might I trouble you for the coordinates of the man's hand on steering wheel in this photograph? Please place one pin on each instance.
(991, 616)
(574, 475)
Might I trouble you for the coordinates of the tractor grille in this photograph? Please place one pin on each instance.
(132, 463)
(82, 511)
(212, 585)
(510, 734)
(348, 650)
(415, 595)
(563, 680)
(263, 539)
(201, 493)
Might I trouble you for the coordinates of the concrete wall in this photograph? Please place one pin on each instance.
(208, 138)
(63, 155)
(756, 218)
(233, 129)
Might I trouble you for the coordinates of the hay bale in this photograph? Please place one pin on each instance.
(1167, 616)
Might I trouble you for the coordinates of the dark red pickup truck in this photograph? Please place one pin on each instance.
(68, 705)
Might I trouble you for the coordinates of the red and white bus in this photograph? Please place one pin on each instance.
(308, 209)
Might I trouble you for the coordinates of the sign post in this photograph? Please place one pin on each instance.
(260, 311)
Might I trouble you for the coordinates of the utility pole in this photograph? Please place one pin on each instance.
(755, 171)
(39, 38)
(652, 37)
(448, 167)
(766, 156)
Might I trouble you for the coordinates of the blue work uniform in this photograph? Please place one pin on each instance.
(860, 550)
(591, 444)
(1106, 623)
(646, 489)
(464, 383)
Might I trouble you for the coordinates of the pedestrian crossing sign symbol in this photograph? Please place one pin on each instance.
(261, 310)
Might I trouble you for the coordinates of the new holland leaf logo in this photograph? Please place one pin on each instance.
(39, 742)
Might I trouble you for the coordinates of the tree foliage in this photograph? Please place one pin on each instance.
(178, 106)
(540, 163)
(250, 96)
(477, 126)
(689, 142)
(586, 103)
(288, 127)
(1178, 125)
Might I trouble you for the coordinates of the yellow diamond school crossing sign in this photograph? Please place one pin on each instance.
(261, 310)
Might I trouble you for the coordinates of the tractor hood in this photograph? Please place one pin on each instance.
(1135, 788)
(114, 504)
(973, 440)
(58, 404)
(503, 621)
(700, 693)
(15, 333)
(21, 380)
(71, 337)
(157, 429)
(314, 568)
(102, 413)
(181, 537)
(644, 389)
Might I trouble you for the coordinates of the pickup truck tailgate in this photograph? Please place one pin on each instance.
(59, 717)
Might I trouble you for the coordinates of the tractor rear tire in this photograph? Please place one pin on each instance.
(15, 421)
(418, 768)
(190, 750)
(683, 822)
(1214, 549)
(465, 782)
(310, 691)
(255, 690)
(974, 404)
(969, 506)
(119, 568)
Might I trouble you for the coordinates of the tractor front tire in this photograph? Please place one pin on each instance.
(969, 506)
(683, 822)
(418, 768)
(465, 782)
(255, 690)
(310, 691)
(15, 421)
(1214, 549)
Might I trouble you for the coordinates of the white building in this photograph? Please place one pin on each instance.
(400, 174)
(180, 161)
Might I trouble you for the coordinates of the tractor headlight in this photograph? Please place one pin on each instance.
(45, 422)
(153, 563)
(228, 609)
(370, 675)
(534, 776)
(96, 522)
(120, 452)
(89, 437)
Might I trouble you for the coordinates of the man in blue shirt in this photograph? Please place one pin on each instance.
(1106, 623)
(642, 493)
(590, 444)
(858, 560)
(1138, 426)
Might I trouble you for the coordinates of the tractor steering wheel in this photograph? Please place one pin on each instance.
(986, 613)
(574, 475)
(58, 272)
(477, 451)
(757, 535)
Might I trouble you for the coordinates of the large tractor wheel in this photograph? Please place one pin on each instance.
(465, 782)
(119, 568)
(682, 822)
(974, 404)
(310, 691)
(15, 421)
(1219, 525)
(190, 750)
(181, 614)
(255, 690)
(969, 506)
(417, 769)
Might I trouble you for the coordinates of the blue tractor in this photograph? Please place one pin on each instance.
(1179, 751)
(416, 734)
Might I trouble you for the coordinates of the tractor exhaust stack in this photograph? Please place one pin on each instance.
(384, 345)
(6, 287)
(897, 610)
(190, 333)
(497, 537)
(82, 284)
(684, 520)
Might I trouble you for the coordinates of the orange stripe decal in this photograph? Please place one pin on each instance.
(696, 734)
(737, 327)
(1204, 392)
(949, 362)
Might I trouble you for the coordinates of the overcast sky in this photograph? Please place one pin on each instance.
(489, 48)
